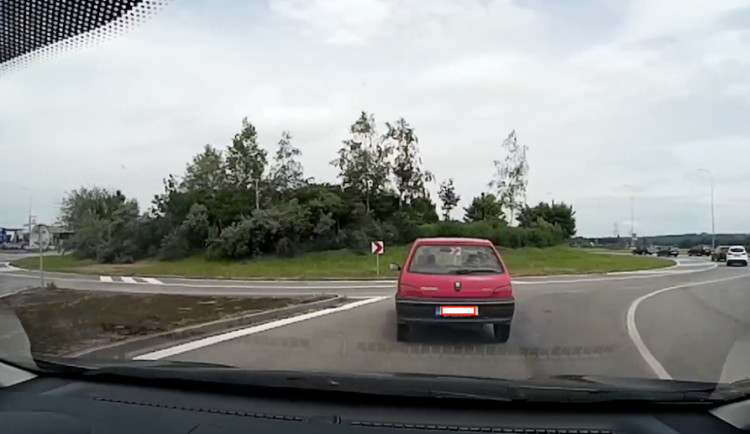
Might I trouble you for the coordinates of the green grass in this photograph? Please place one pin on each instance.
(346, 264)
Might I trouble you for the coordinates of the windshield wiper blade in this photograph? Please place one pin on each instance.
(561, 389)
(87, 366)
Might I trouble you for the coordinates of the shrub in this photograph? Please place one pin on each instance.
(174, 246)
(497, 232)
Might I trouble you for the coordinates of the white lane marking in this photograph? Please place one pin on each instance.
(213, 340)
(5, 267)
(654, 364)
(610, 279)
(152, 281)
(105, 278)
(217, 284)
(127, 279)
(360, 285)
(361, 282)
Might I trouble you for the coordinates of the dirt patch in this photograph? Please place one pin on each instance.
(60, 321)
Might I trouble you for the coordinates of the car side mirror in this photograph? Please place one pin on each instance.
(394, 267)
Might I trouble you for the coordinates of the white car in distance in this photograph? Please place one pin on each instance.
(737, 255)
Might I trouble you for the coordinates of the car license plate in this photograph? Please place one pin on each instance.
(456, 311)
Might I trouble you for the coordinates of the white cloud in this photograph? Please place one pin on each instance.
(605, 94)
(346, 23)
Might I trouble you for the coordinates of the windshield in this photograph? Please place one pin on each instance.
(473, 188)
(737, 250)
(454, 259)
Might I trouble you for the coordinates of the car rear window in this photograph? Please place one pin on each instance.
(454, 259)
(737, 250)
(723, 249)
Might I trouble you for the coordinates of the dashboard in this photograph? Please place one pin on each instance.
(48, 404)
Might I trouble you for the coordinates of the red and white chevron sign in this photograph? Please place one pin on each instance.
(377, 247)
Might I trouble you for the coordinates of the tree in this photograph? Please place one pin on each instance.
(410, 180)
(363, 160)
(556, 214)
(246, 161)
(287, 172)
(484, 207)
(510, 179)
(448, 197)
(422, 210)
(78, 207)
(206, 172)
(382, 194)
(105, 225)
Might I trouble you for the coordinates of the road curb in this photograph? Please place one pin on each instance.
(13, 268)
(224, 278)
(130, 347)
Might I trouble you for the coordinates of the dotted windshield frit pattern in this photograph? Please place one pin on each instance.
(36, 30)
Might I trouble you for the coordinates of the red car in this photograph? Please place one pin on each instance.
(454, 280)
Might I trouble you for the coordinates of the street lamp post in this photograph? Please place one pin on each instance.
(632, 217)
(632, 189)
(713, 225)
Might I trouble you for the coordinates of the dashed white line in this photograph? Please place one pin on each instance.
(105, 278)
(635, 336)
(212, 340)
(127, 279)
(152, 281)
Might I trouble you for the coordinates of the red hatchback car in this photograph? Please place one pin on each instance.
(454, 280)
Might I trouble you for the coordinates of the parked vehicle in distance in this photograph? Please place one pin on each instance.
(701, 250)
(736, 255)
(454, 280)
(720, 254)
(642, 250)
(667, 251)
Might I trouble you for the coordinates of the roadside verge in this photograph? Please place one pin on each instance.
(65, 322)
(343, 265)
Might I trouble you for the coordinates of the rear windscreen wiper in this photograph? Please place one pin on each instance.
(477, 270)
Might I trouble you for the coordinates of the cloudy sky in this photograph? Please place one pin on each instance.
(613, 98)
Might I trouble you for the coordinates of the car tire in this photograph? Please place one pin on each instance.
(402, 332)
(502, 332)
(729, 263)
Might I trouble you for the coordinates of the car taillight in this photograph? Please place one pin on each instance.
(503, 291)
(408, 291)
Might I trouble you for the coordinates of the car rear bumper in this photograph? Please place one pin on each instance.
(422, 310)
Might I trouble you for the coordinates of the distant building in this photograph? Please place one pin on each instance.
(19, 238)
(11, 235)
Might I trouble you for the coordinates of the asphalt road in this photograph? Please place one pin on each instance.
(687, 322)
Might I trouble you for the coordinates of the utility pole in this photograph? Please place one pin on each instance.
(30, 199)
(713, 225)
(632, 219)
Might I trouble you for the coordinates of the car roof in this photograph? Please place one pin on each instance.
(454, 240)
(737, 245)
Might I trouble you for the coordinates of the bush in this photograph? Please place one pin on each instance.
(277, 229)
(174, 246)
(497, 232)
